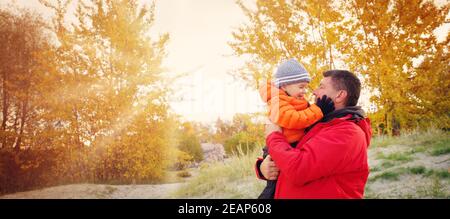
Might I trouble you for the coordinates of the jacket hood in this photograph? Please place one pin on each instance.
(267, 90)
(355, 111)
(364, 124)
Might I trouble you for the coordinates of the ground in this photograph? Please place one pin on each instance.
(93, 191)
(399, 171)
(399, 168)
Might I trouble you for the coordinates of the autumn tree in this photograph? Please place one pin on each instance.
(84, 98)
(390, 45)
(244, 132)
(26, 159)
(387, 41)
(222, 131)
(431, 93)
(189, 141)
(279, 29)
(23, 38)
(110, 76)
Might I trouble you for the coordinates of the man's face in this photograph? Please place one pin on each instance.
(297, 90)
(326, 88)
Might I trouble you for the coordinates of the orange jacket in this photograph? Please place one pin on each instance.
(291, 114)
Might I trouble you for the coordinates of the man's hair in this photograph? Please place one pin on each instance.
(345, 80)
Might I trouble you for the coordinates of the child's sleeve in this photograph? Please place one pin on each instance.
(286, 116)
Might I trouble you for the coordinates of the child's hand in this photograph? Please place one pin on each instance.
(268, 169)
(325, 104)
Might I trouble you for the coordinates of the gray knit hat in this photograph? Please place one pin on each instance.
(290, 72)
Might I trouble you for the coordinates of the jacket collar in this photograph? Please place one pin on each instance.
(355, 114)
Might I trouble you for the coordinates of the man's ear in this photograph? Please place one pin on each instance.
(341, 97)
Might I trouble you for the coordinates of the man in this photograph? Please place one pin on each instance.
(330, 161)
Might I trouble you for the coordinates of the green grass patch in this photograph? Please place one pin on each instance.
(387, 164)
(436, 189)
(396, 156)
(383, 141)
(440, 173)
(418, 170)
(369, 194)
(375, 169)
(443, 174)
(380, 155)
(417, 149)
(234, 178)
(399, 157)
(441, 148)
(387, 175)
(413, 138)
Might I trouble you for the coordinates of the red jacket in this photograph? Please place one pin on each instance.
(329, 162)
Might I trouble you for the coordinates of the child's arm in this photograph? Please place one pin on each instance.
(286, 116)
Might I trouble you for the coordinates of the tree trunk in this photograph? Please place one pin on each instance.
(23, 120)
(389, 123)
(77, 127)
(4, 109)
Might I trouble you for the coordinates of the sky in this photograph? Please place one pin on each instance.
(199, 31)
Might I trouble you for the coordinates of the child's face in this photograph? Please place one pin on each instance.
(297, 90)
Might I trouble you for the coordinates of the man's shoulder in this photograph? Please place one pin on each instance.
(342, 126)
(338, 122)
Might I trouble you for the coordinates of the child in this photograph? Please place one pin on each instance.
(288, 107)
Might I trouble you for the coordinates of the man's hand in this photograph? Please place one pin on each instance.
(268, 168)
(270, 127)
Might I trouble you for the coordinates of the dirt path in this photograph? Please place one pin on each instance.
(93, 191)
(395, 179)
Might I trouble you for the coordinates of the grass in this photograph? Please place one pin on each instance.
(431, 183)
(441, 148)
(443, 174)
(437, 189)
(387, 175)
(375, 169)
(418, 170)
(393, 175)
(429, 144)
(387, 164)
(184, 174)
(417, 149)
(234, 178)
(370, 194)
(434, 190)
(396, 156)
(175, 176)
(426, 138)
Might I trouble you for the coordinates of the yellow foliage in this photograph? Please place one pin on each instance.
(391, 45)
